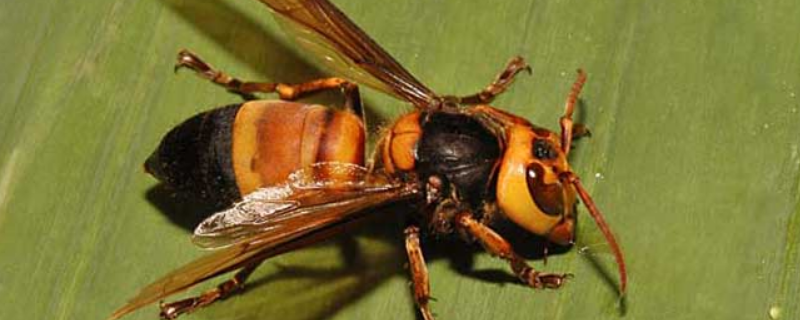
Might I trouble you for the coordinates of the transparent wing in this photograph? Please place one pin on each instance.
(313, 196)
(315, 204)
(321, 28)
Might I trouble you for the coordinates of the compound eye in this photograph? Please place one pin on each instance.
(548, 197)
(543, 150)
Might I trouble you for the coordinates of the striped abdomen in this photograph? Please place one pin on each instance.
(224, 153)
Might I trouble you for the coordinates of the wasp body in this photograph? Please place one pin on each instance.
(297, 172)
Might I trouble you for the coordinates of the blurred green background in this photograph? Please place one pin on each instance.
(694, 156)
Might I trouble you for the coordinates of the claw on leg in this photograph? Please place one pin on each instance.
(496, 245)
(539, 280)
(500, 84)
(174, 309)
(189, 60)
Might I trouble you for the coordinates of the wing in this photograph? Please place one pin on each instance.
(324, 30)
(315, 196)
(299, 213)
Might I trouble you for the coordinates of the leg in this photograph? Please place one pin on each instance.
(499, 85)
(187, 59)
(352, 102)
(579, 130)
(569, 108)
(419, 272)
(498, 246)
(174, 309)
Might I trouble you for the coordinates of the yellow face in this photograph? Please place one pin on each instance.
(529, 190)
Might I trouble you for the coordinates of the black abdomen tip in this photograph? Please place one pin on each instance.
(194, 158)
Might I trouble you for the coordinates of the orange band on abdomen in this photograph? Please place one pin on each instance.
(272, 139)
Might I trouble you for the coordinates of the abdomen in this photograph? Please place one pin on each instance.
(222, 154)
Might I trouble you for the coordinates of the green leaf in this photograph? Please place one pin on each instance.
(694, 157)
